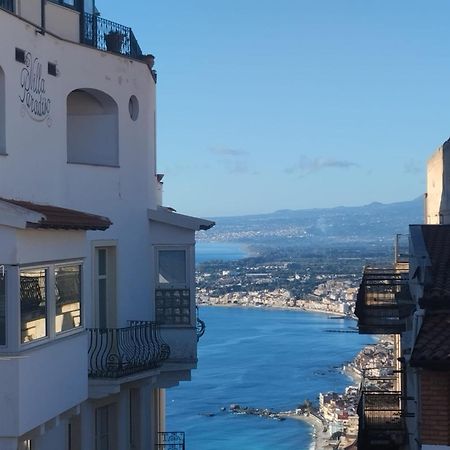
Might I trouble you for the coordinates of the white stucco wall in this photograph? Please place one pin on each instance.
(63, 22)
(435, 187)
(36, 167)
(32, 384)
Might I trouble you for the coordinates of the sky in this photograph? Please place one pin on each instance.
(294, 104)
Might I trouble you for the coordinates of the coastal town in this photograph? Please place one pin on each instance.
(333, 415)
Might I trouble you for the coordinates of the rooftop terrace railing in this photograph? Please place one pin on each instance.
(117, 352)
(109, 36)
(7, 4)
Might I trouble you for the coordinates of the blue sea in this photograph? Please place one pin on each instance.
(225, 251)
(262, 358)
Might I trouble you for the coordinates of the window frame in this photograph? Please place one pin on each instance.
(167, 287)
(51, 333)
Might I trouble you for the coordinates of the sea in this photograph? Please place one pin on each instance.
(262, 358)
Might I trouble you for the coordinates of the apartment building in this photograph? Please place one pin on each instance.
(97, 288)
(411, 300)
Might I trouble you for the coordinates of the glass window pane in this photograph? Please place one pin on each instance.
(2, 306)
(33, 304)
(101, 261)
(172, 267)
(68, 297)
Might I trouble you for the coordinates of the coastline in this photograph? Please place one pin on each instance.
(281, 308)
(320, 437)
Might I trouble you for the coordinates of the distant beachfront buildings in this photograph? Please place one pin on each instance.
(97, 286)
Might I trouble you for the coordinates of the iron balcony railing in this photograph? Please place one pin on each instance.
(383, 300)
(7, 4)
(173, 440)
(106, 35)
(381, 420)
(117, 352)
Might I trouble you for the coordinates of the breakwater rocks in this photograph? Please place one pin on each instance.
(266, 413)
(234, 408)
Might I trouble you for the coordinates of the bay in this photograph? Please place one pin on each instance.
(224, 251)
(262, 358)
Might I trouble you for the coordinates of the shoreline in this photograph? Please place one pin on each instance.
(281, 308)
(320, 437)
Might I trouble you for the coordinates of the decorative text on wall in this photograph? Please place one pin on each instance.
(33, 90)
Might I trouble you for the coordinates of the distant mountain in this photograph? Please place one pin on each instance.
(369, 223)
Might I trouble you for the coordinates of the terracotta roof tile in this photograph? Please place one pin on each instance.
(62, 218)
(432, 347)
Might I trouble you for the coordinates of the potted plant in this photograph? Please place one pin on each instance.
(114, 40)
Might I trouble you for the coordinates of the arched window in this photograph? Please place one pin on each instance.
(92, 128)
(2, 113)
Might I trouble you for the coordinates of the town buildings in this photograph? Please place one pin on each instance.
(409, 407)
(97, 289)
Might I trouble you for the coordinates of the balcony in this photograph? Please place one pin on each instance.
(383, 301)
(7, 4)
(174, 440)
(118, 352)
(381, 421)
(110, 36)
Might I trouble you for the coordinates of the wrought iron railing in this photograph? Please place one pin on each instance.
(201, 326)
(106, 35)
(383, 300)
(7, 4)
(173, 440)
(117, 352)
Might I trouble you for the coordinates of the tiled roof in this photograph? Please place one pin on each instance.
(437, 288)
(62, 218)
(432, 347)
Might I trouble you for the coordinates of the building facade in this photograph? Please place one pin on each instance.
(411, 300)
(97, 287)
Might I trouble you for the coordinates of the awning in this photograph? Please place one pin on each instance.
(23, 214)
(169, 217)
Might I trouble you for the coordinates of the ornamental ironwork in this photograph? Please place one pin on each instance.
(110, 36)
(117, 352)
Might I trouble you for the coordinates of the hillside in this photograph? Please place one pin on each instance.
(376, 222)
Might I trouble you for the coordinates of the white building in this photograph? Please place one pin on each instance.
(97, 290)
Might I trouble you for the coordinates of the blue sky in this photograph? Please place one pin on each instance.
(296, 104)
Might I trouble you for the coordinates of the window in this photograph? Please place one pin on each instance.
(68, 297)
(102, 428)
(33, 304)
(172, 268)
(105, 286)
(50, 300)
(172, 296)
(105, 427)
(2, 305)
(70, 3)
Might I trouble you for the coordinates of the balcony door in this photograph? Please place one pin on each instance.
(105, 286)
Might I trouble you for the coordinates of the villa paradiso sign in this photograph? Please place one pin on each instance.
(33, 94)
